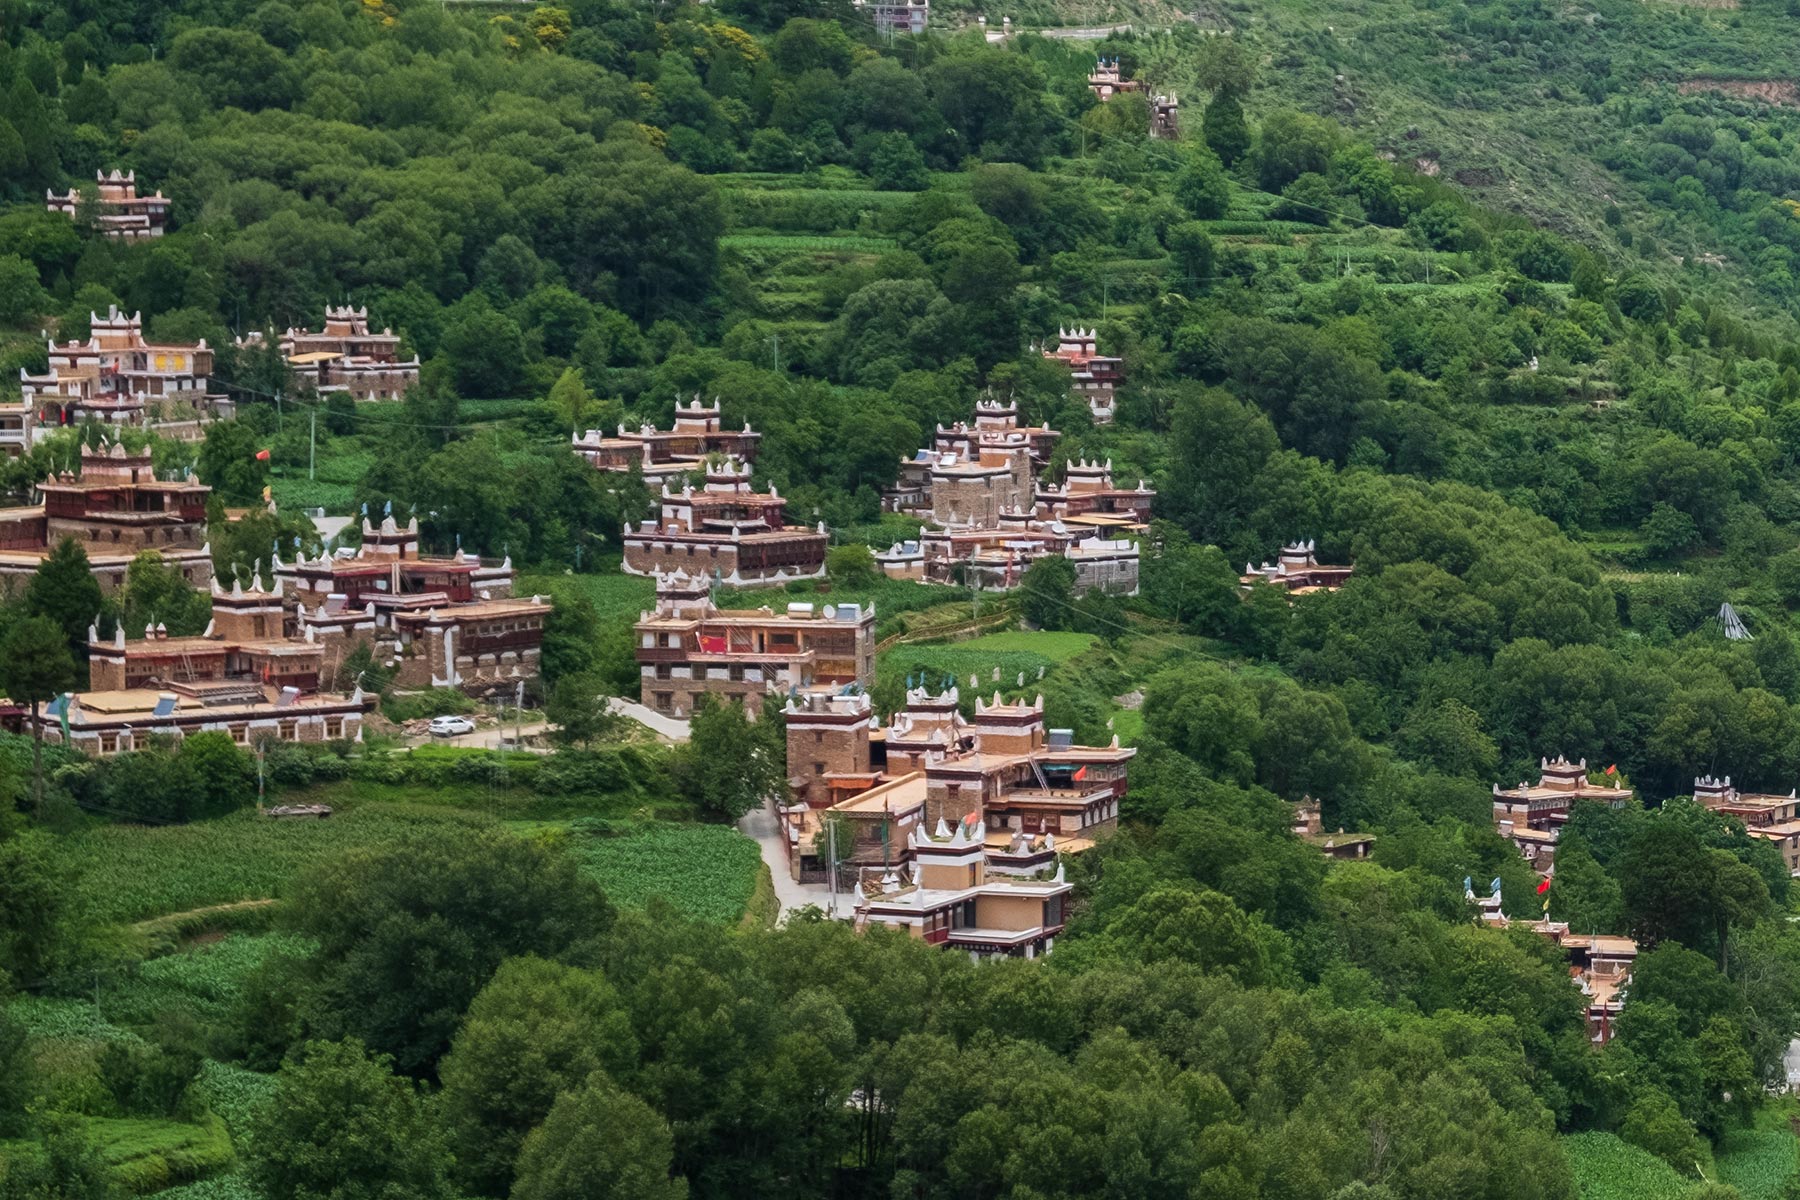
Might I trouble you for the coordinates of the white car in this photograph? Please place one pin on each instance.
(450, 726)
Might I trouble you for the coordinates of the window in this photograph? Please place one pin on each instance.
(664, 702)
(818, 768)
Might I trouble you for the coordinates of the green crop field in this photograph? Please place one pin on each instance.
(704, 871)
(1606, 1168)
(203, 981)
(130, 872)
(1009, 654)
(1759, 1162)
(846, 243)
(614, 595)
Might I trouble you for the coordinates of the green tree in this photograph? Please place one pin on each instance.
(1195, 925)
(598, 1141)
(486, 350)
(409, 932)
(342, 1124)
(896, 165)
(1654, 1123)
(1224, 129)
(223, 775)
(65, 592)
(1192, 248)
(537, 1030)
(1201, 186)
(1193, 584)
(1218, 445)
(1047, 592)
(569, 635)
(570, 401)
(35, 666)
(228, 462)
(1290, 144)
(156, 593)
(23, 108)
(851, 565)
(730, 764)
(18, 1075)
(21, 296)
(578, 707)
(40, 930)
(1584, 895)
(1668, 532)
(1452, 738)
(64, 1164)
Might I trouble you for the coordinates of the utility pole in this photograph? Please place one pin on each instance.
(831, 854)
(312, 443)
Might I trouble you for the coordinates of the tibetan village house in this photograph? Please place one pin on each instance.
(1165, 117)
(116, 508)
(118, 378)
(1773, 818)
(1033, 788)
(1297, 571)
(726, 531)
(1309, 827)
(438, 622)
(120, 212)
(896, 16)
(346, 358)
(1531, 816)
(973, 472)
(245, 675)
(1093, 376)
(996, 559)
(979, 485)
(953, 897)
(1106, 80)
(1600, 964)
(689, 647)
(663, 456)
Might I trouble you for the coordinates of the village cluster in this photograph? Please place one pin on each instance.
(946, 825)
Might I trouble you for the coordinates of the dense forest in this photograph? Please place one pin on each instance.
(1551, 450)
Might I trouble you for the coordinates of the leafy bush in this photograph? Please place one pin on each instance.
(434, 702)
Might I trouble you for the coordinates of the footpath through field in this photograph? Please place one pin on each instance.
(760, 824)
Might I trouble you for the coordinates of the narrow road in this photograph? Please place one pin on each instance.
(760, 824)
(488, 737)
(670, 728)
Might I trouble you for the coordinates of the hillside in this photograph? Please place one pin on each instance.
(1192, 901)
(1559, 113)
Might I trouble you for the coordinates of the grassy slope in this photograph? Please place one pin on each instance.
(1500, 108)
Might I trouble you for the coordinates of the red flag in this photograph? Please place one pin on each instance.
(1080, 775)
(262, 456)
(1543, 887)
(1613, 770)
